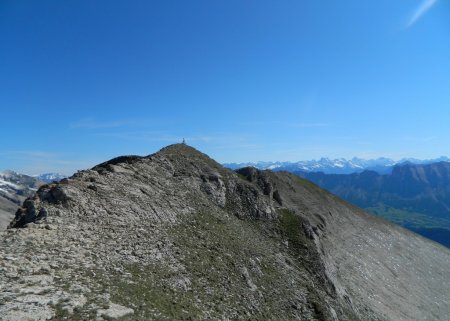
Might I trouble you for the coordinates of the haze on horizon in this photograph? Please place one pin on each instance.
(83, 81)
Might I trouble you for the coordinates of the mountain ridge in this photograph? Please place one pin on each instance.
(174, 235)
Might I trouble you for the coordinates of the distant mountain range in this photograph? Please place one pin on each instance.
(416, 196)
(380, 165)
(15, 187)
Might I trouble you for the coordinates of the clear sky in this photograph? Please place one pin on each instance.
(83, 81)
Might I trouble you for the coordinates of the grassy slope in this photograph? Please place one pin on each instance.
(280, 282)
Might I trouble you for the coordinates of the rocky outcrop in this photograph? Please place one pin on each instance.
(14, 189)
(33, 208)
(262, 180)
(175, 236)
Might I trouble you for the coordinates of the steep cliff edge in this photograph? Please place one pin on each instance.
(175, 236)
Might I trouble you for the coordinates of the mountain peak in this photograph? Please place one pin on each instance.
(179, 148)
(185, 151)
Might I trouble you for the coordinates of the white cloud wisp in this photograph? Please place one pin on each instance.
(420, 11)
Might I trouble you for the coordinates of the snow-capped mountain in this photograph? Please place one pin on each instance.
(50, 177)
(381, 165)
(12, 183)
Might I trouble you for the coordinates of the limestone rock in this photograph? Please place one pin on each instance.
(114, 312)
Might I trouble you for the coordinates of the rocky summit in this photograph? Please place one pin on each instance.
(176, 236)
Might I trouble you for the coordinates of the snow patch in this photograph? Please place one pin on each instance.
(3, 182)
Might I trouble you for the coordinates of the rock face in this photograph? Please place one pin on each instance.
(14, 189)
(175, 236)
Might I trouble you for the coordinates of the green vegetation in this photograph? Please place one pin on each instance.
(291, 229)
(308, 183)
(216, 250)
(243, 177)
(302, 249)
(147, 290)
(408, 219)
(221, 267)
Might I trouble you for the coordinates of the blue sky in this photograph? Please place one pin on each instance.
(84, 81)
